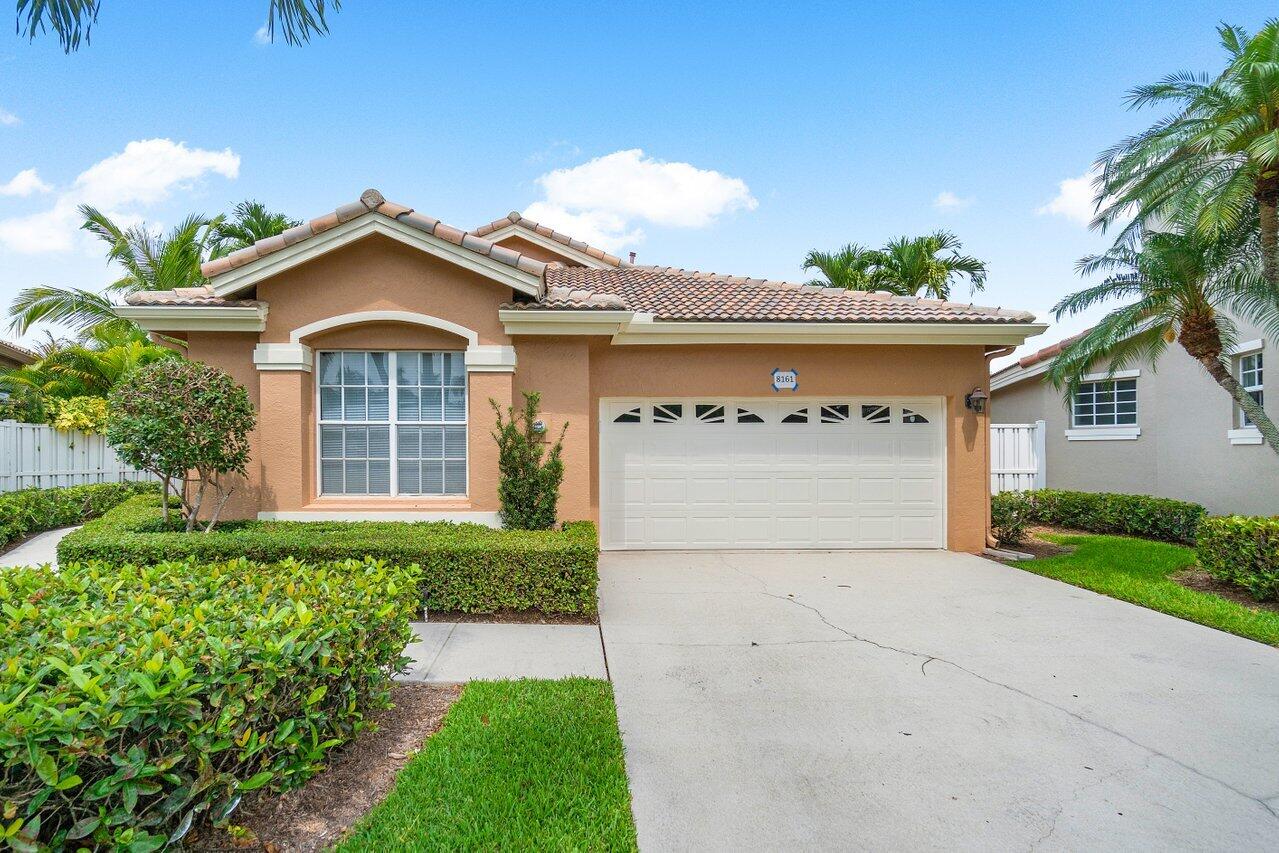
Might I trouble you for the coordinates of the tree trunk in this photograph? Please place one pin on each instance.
(1267, 199)
(1255, 412)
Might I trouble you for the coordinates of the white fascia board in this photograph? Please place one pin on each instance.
(1012, 377)
(538, 322)
(548, 244)
(241, 278)
(283, 357)
(662, 332)
(191, 318)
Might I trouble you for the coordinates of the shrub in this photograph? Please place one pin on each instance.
(1105, 512)
(1009, 515)
(32, 510)
(175, 417)
(531, 473)
(467, 567)
(136, 700)
(1243, 551)
(86, 414)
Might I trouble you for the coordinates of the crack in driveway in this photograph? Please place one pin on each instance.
(929, 658)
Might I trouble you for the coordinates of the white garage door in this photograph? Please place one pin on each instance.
(792, 473)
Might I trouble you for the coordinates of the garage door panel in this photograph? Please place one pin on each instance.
(854, 474)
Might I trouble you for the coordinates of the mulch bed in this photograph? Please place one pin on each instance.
(1037, 547)
(519, 617)
(1197, 579)
(315, 816)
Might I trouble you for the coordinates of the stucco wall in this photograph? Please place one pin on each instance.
(1182, 452)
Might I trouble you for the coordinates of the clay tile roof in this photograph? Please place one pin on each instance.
(201, 296)
(1049, 351)
(514, 218)
(22, 355)
(371, 201)
(683, 295)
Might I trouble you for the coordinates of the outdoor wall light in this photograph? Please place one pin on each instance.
(976, 400)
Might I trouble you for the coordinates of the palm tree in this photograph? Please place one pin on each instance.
(249, 222)
(88, 369)
(72, 20)
(851, 267)
(150, 261)
(1180, 285)
(912, 266)
(1213, 165)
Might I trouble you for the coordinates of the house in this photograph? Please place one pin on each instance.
(1171, 432)
(703, 410)
(12, 355)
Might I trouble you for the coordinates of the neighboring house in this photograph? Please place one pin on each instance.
(12, 355)
(1170, 431)
(372, 340)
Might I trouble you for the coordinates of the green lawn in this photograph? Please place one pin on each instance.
(518, 765)
(1137, 570)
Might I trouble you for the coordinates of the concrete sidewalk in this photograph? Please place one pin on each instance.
(38, 550)
(469, 651)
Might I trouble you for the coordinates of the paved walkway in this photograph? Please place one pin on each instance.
(468, 651)
(927, 701)
(38, 550)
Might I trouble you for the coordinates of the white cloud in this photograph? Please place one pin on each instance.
(146, 173)
(8, 119)
(606, 198)
(24, 183)
(947, 200)
(1074, 199)
(262, 36)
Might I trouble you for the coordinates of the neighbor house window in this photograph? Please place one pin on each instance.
(392, 423)
(1107, 402)
(1250, 370)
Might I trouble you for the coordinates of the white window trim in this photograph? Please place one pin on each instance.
(1103, 433)
(1244, 435)
(1241, 433)
(1117, 432)
(392, 410)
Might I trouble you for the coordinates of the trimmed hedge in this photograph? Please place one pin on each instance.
(1009, 513)
(32, 510)
(1101, 512)
(137, 700)
(1243, 551)
(465, 567)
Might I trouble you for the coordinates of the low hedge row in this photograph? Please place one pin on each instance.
(137, 700)
(1243, 551)
(465, 567)
(32, 510)
(1096, 512)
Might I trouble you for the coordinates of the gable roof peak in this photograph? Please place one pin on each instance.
(372, 198)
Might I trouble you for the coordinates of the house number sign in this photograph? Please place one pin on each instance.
(785, 380)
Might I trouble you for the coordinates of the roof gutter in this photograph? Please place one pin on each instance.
(196, 318)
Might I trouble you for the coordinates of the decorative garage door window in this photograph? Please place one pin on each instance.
(767, 473)
(384, 437)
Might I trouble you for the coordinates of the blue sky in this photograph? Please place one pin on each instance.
(801, 125)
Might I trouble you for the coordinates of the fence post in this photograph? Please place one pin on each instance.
(1041, 454)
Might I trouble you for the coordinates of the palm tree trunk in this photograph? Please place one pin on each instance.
(1255, 412)
(1267, 200)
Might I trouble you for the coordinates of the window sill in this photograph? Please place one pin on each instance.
(1247, 435)
(387, 509)
(1126, 433)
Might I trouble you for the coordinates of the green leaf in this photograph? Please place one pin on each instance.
(317, 694)
(83, 827)
(47, 769)
(256, 781)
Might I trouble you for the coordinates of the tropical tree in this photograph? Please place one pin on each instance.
(72, 20)
(852, 267)
(1179, 287)
(87, 369)
(150, 261)
(914, 266)
(249, 222)
(1213, 165)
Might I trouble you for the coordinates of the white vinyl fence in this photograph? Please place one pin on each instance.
(39, 455)
(1017, 459)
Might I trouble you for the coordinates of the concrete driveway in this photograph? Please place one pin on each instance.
(928, 700)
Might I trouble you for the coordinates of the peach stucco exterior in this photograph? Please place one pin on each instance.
(573, 373)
